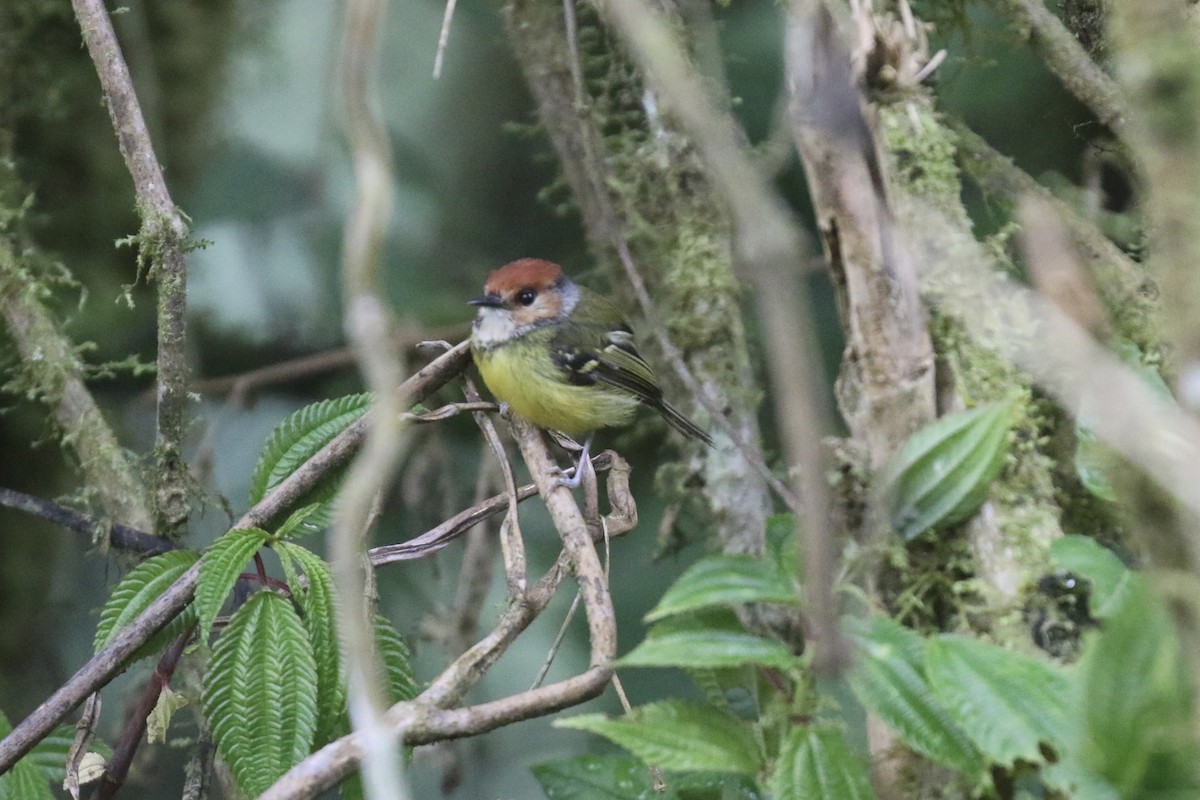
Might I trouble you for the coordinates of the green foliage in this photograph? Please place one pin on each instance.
(297, 439)
(26, 780)
(1109, 580)
(679, 735)
(711, 644)
(397, 661)
(889, 680)
(591, 777)
(1137, 702)
(144, 584)
(726, 580)
(1009, 704)
(815, 764)
(316, 601)
(941, 474)
(260, 692)
(220, 567)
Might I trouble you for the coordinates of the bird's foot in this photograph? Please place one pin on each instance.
(577, 471)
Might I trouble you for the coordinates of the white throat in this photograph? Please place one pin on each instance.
(493, 326)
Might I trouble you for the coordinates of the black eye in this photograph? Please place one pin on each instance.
(526, 297)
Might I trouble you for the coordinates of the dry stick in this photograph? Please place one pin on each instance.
(102, 667)
(1067, 59)
(163, 240)
(427, 718)
(772, 248)
(368, 323)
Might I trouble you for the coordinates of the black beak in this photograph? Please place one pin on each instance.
(487, 301)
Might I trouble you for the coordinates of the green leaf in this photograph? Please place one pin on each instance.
(678, 735)
(706, 648)
(220, 567)
(297, 439)
(1109, 578)
(889, 680)
(397, 661)
(815, 764)
(300, 521)
(1007, 703)
(726, 580)
(24, 782)
(941, 474)
(144, 584)
(1137, 700)
(597, 778)
(781, 543)
(50, 754)
(260, 692)
(317, 604)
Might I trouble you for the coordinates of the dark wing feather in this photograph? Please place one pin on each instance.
(616, 362)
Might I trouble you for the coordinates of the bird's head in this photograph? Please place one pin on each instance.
(521, 296)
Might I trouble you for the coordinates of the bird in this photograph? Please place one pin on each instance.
(562, 356)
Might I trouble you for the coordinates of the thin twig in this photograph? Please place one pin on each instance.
(163, 241)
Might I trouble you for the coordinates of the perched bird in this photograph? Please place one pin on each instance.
(562, 356)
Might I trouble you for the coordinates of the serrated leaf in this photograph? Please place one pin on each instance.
(1109, 578)
(815, 764)
(680, 736)
(941, 474)
(397, 661)
(889, 680)
(1137, 700)
(726, 580)
(24, 782)
(144, 584)
(300, 521)
(297, 439)
(317, 603)
(1006, 702)
(220, 567)
(260, 692)
(50, 754)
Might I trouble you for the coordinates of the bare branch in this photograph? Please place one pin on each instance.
(164, 243)
(124, 537)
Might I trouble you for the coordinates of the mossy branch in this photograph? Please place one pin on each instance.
(163, 243)
(53, 369)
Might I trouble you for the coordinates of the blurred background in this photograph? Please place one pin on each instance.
(242, 100)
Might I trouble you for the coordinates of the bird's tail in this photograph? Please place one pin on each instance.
(684, 425)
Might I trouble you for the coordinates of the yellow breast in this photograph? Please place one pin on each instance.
(524, 377)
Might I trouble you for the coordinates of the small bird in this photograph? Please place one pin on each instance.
(562, 356)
